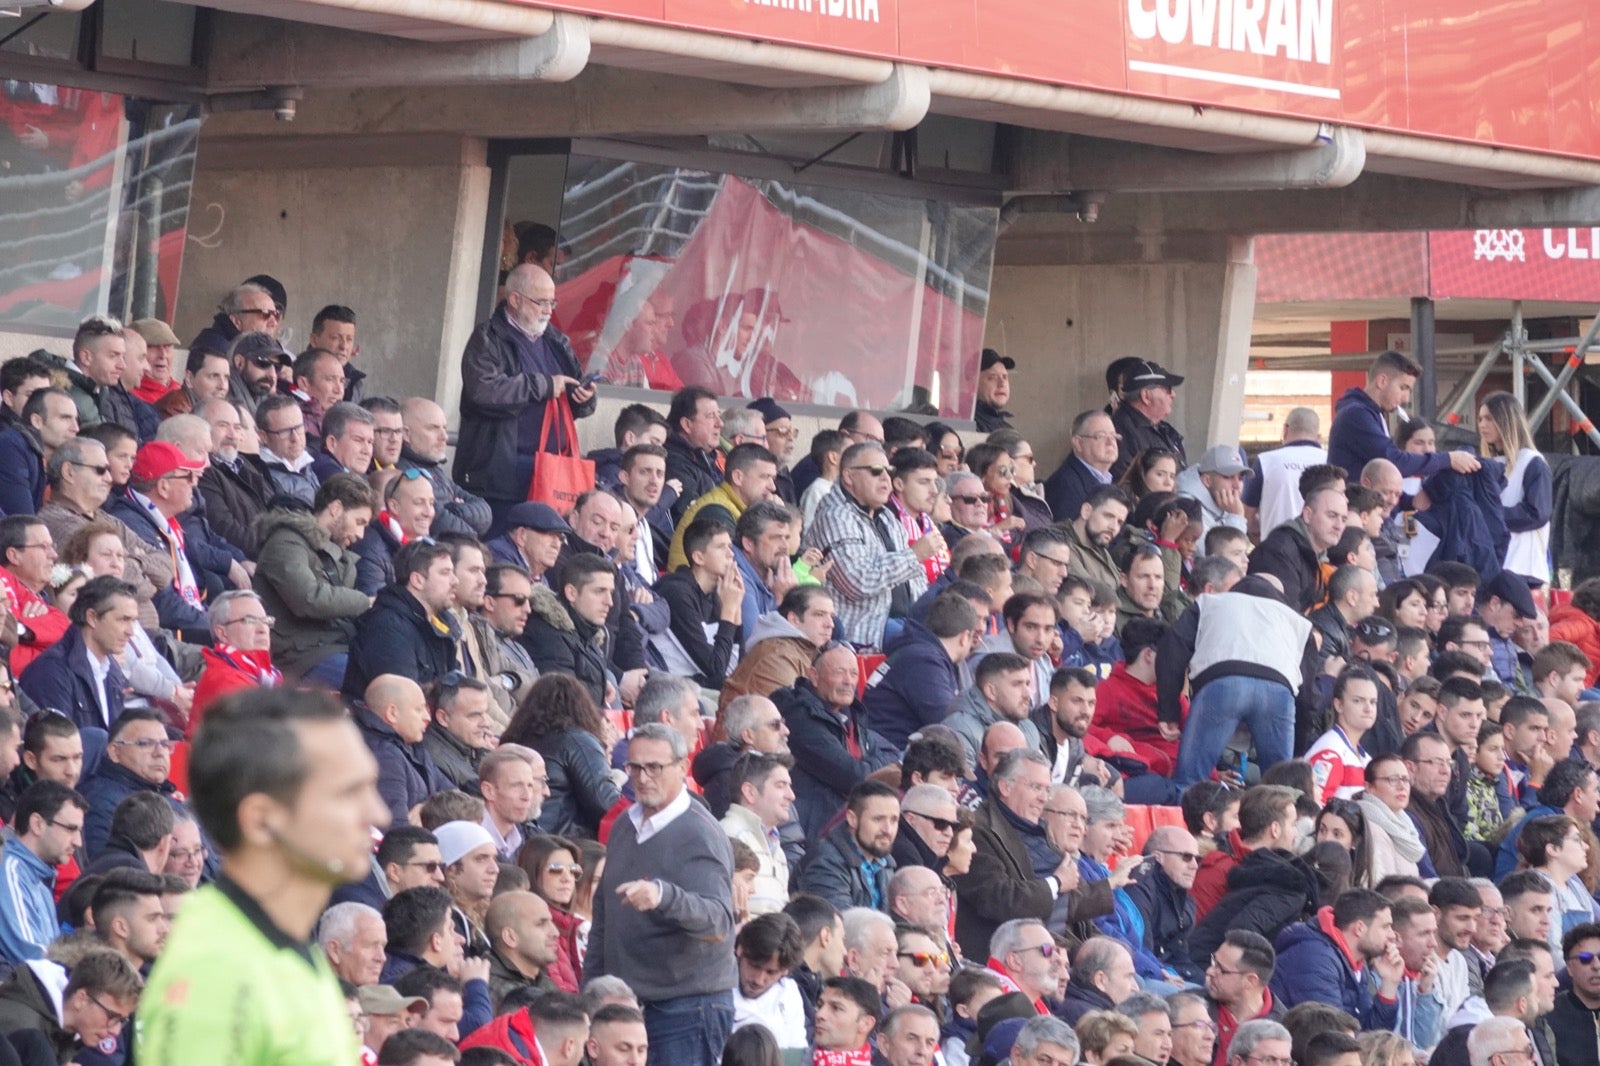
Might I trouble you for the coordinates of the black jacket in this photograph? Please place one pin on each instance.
(235, 501)
(396, 636)
(1267, 892)
(695, 469)
(455, 510)
(494, 393)
(833, 870)
(1168, 920)
(1577, 1030)
(1140, 434)
(989, 417)
(561, 642)
(713, 772)
(581, 787)
(824, 771)
(24, 1005)
(692, 610)
(374, 554)
(406, 773)
(1080, 1001)
(1335, 632)
(1286, 553)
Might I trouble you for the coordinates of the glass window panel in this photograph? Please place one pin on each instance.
(757, 287)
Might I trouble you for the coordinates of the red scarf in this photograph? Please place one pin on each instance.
(998, 968)
(393, 526)
(915, 527)
(257, 664)
(861, 1056)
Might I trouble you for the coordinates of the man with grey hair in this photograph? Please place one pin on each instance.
(247, 308)
(871, 953)
(1500, 1042)
(240, 656)
(1153, 1016)
(743, 425)
(909, 1036)
(235, 491)
(927, 826)
(969, 506)
(1045, 1040)
(1015, 873)
(348, 436)
(918, 897)
(427, 445)
(672, 701)
(663, 914)
(1101, 977)
(352, 935)
(1271, 494)
(1022, 951)
(513, 783)
(750, 723)
(1260, 1041)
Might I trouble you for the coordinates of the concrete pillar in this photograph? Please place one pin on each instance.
(392, 227)
(1064, 324)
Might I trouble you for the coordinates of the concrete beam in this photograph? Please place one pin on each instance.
(1046, 162)
(602, 101)
(248, 52)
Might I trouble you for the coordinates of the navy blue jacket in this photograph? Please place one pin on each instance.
(1468, 518)
(1312, 968)
(110, 784)
(1068, 487)
(62, 680)
(406, 773)
(917, 688)
(210, 557)
(395, 636)
(824, 770)
(1168, 914)
(1359, 435)
(374, 554)
(21, 472)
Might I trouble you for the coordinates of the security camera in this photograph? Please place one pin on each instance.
(285, 103)
(285, 110)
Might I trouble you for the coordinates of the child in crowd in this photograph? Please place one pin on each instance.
(1488, 785)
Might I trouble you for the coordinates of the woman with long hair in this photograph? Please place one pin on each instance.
(554, 868)
(1438, 601)
(592, 855)
(560, 721)
(1152, 470)
(1342, 823)
(945, 444)
(1503, 429)
(1405, 603)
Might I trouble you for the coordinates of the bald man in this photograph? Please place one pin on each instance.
(1383, 477)
(523, 944)
(1162, 895)
(514, 364)
(1563, 727)
(393, 719)
(427, 442)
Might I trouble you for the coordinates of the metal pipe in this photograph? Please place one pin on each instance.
(1557, 170)
(761, 55)
(1539, 413)
(1469, 385)
(1566, 401)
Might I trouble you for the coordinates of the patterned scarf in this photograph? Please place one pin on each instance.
(256, 663)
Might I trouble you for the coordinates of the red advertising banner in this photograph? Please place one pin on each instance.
(1502, 264)
(1515, 73)
(758, 304)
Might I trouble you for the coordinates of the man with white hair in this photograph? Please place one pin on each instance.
(918, 897)
(871, 953)
(1022, 953)
(1102, 976)
(352, 935)
(235, 491)
(927, 826)
(1044, 1040)
(514, 366)
(427, 445)
(1258, 1042)
(1500, 1042)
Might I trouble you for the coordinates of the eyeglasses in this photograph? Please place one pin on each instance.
(774, 431)
(1217, 967)
(1473, 643)
(648, 769)
(431, 867)
(1394, 780)
(1058, 562)
(113, 1019)
(926, 958)
(1199, 1023)
(943, 825)
(267, 313)
(875, 470)
(950, 453)
(1071, 816)
(298, 427)
(1186, 856)
(413, 473)
(1098, 437)
(75, 830)
(388, 431)
(543, 305)
(98, 471)
(559, 868)
(193, 854)
(1045, 950)
(149, 743)
(253, 620)
(516, 600)
(1003, 471)
(970, 501)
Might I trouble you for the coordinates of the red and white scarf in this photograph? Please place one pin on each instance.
(183, 574)
(392, 524)
(861, 1056)
(258, 664)
(915, 527)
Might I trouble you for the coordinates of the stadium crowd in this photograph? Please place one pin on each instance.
(891, 749)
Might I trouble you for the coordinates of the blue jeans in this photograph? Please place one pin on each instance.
(329, 672)
(1264, 707)
(689, 1030)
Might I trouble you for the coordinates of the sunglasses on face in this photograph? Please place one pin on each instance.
(1586, 958)
(943, 825)
(926, 958)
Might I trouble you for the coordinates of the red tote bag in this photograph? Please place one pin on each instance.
(558, 479)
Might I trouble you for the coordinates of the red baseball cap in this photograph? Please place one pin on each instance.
(159, 458)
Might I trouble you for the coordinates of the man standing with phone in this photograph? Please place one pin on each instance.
(516, 368)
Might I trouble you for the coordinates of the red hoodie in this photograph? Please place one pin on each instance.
(1126, 707)
(1211, 882)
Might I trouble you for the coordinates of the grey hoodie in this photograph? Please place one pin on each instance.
(971, 716)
